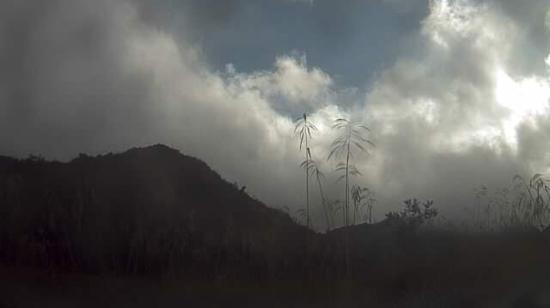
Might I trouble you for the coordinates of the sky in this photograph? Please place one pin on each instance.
(456, 93)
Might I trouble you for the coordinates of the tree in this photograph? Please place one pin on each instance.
(303, 130)
(413, 213)
(349, 141)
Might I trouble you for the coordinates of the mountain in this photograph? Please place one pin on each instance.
(148, 209)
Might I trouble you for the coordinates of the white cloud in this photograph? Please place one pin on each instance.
(291, 82)
(460, 102)
(525, 99)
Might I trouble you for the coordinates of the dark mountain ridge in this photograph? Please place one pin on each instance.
(142, 210)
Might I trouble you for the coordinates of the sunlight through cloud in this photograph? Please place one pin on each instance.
(524, 99)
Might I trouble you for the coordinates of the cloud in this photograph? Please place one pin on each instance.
(461, 106)
(457, 113)
(291, 83)
(531, 42)
(405, 6)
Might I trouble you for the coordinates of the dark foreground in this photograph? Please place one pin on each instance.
(496, 271)
(427, 269)
(29, 288)
(26, 288)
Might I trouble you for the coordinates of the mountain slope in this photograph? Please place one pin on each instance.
(148, 209)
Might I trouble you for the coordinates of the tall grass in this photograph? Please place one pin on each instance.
(303, 130)
(525, 203)
(350, 141)
(363, 198)
(313, 168)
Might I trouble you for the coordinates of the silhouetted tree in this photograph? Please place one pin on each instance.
(413, 213)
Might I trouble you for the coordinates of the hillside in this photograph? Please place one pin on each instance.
(148, 209)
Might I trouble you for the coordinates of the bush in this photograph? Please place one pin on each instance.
(413, 214)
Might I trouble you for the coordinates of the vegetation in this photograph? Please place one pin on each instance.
(344, 146)
(413, 214)
(524, 204)
(362, 198)
(304, 129)
(350, 140)
(313, 169)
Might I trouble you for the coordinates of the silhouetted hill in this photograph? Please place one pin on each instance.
(171, 186)
(6, 162)
(148, 209)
